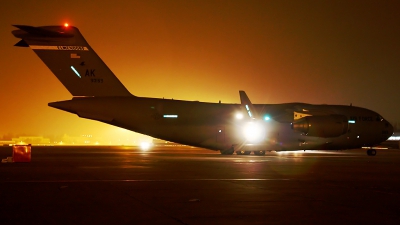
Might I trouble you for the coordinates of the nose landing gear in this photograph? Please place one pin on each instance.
(371, 152)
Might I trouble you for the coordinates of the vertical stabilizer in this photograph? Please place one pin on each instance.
(67, 54)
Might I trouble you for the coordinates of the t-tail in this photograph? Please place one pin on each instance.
(67, 54)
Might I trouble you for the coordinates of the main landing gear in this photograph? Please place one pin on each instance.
(260, 152)
(371, 152)
(241, 152)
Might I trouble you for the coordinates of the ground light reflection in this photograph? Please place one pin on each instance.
(296, 163)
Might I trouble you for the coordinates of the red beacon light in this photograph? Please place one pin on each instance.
(66, 25)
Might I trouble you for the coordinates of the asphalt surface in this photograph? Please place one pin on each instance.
(175, 185)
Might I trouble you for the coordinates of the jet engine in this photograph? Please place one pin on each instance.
(322, 126)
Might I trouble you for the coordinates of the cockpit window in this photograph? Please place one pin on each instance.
(379, 118)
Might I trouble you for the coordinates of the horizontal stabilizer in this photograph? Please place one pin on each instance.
(22, 43)
(42, 31)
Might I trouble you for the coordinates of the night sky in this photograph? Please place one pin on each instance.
(320, 52)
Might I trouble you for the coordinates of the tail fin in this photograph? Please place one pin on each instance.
(67, 54)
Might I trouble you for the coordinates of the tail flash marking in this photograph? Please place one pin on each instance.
(65, 48)
(76, 72)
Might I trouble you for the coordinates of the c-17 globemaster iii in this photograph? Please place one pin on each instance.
(241, 128)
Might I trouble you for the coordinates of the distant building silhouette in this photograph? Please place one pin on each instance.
(34, 140)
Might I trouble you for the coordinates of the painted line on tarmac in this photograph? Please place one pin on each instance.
(156, 180)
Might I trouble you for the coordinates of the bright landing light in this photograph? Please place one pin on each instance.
(253, 132)
(239, 116)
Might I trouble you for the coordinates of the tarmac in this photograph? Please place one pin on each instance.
(183, 185)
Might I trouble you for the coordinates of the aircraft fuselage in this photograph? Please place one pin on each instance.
(216, 125)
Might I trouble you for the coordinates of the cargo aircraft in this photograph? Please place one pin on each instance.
(97, 94)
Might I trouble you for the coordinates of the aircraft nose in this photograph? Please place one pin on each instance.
(390, 129)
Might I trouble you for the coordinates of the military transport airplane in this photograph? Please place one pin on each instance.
(241, 128)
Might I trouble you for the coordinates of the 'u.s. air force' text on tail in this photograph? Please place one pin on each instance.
(241, 128)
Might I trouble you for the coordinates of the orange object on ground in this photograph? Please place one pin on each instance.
(22, 153)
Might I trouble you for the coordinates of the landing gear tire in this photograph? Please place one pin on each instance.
(227, 151)
(259, 152)
(241, 152)
(371, 152)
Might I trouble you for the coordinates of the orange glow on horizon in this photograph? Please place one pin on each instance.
(206, 51)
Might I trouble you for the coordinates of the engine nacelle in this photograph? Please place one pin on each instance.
(322, 126)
